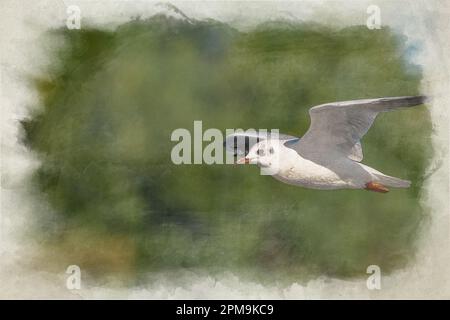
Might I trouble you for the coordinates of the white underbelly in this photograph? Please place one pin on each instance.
(309, 174)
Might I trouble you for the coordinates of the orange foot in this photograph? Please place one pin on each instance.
(376, 187)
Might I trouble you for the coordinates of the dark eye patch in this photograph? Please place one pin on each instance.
(260, 152)
(271, 150)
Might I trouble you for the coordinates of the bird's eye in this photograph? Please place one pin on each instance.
(271, 150)
(260, 152)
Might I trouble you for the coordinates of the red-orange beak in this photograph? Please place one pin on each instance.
(244, 160)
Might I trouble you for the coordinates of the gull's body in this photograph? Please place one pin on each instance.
(341, 173)
(328, 156)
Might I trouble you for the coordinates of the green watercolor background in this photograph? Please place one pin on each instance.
(111, 99)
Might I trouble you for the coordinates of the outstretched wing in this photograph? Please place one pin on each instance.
(240, 143)
(337, 128)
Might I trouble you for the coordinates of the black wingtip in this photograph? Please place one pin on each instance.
(416, 100)
(406, 101)
(425, 99)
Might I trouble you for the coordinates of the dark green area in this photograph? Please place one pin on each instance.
(108, 107)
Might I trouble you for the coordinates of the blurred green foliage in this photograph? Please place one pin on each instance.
(111, 100)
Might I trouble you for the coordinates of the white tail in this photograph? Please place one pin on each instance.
(389, 181)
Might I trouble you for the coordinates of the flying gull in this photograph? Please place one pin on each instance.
(329, 155)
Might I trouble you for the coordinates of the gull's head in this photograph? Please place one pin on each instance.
(264, 154)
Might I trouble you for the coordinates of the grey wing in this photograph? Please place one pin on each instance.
(240, 143)
(337, 128)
